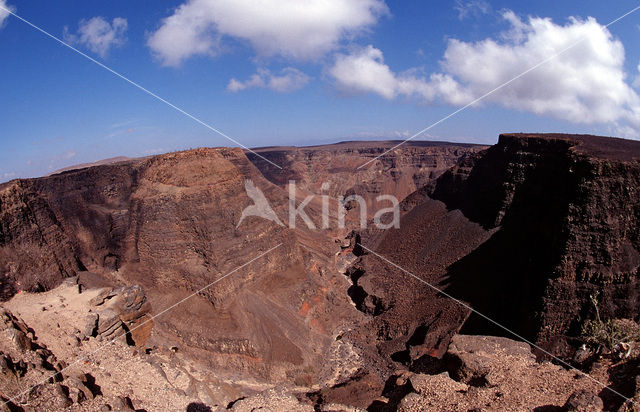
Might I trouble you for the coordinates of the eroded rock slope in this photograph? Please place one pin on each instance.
(525, 232)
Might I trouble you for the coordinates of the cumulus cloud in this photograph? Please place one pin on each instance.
(364, 70)
(300, 30)
(472, 8)
(98, 35)
(4, 13)
(587, 84)
(289, 79)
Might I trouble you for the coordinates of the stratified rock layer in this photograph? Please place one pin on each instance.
(170, 224)
(366, 169)
(567, 214)
(524, 232)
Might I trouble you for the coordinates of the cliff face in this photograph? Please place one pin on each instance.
(566, 210)
(170, 224)
(525, 232)
(35, 252)
(333, 169)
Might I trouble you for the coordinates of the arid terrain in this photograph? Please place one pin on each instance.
(139, 284)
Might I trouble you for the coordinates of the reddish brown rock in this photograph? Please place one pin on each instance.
(583, 401)
(524, 232)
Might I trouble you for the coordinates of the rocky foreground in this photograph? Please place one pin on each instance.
(55, 355)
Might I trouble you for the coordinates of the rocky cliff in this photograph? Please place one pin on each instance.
(170, 224)
(351, 168)
(525, 232)
(567, 210)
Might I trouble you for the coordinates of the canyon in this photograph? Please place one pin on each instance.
(233, 314)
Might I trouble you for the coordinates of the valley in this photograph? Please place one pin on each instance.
(208, 311)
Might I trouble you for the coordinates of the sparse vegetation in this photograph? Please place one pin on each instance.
(617, 336)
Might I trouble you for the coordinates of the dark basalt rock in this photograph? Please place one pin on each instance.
(567, 214)
(524, 232)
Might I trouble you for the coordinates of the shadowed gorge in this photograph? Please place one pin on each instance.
(518, 232)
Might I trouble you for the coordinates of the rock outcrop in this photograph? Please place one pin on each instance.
(55, 366)
(121, 310)
(524, 232)
(30, 374)
(351, 168)
(567, 214)
(170, 224)
(488, 373)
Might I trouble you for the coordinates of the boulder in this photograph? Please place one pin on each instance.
(100, 298)
(122, 404)
(78, 391)
(583, 401)
(91, 324)
(109, 324)
(119, 310)
(469, 359)
(20, 340)
(125, 308)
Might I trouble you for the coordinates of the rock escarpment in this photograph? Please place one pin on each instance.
(525, 232)
(170, 224)
(567, 214)
(352, 168)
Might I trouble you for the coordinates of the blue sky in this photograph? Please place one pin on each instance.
(280, 72)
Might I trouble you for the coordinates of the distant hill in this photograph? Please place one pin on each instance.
(98, 163)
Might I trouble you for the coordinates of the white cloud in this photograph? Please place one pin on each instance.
(364, 70)
(289, 79)
(98, 35)
(4, 14)
(384, 134)
(473, 8)
(301, 30)
(624, 131)
(587, 84)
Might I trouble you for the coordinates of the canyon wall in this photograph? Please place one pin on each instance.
(568, 212)
(170, 224)
(352, 168)
(525, 232)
